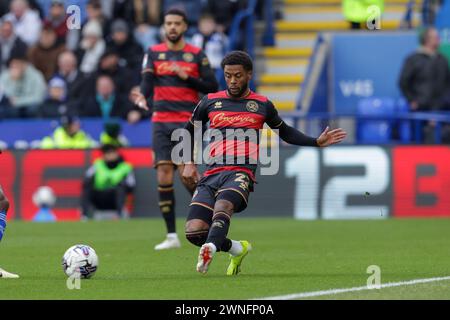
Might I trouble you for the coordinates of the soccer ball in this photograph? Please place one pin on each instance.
(44, 197)
(80, 261)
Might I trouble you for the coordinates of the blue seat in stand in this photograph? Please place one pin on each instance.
(375, 131)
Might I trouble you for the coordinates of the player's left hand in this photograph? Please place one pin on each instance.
(139, 99)
(329, 137)
(179, 71)
(190, 173)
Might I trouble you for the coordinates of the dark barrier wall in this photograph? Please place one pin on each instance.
(345, 182)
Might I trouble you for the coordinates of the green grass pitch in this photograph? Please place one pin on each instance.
(288, 257)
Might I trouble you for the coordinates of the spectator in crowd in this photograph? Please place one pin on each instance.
(57, 20)
(214, 43)
(145, 19)
(23, 87)
(107, 8)
(425, 75)
(123, 9)
(10, 44)
(35, 5)
(4, 7)
(68, 136)
(108, 184)
(76, 83)
(430, 10)
(224, 11)
(91, 48)
(357, 12)
(106, 103)
(27, 23)
(56, 105)
(112, 135)
(46, 6)
(73, 36)
(93, 14)
(130, 52)
(44, 55)
(124, 78)
(425, 80)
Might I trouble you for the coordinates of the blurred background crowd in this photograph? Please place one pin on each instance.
(48, 70)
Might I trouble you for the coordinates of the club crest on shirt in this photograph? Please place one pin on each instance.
(162, 56)
(188, 57)
(218, 105)
(252, 106)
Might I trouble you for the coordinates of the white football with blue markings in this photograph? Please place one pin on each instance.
(80, 261)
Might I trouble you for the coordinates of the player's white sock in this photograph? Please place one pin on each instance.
(172, 235)
(236, 248)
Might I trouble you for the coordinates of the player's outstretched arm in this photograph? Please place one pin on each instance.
(293, 136)
(328, 137)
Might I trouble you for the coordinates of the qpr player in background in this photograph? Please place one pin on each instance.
(174, 74)
(4, 206)
(226, 184)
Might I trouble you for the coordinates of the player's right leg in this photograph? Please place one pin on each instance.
(216, 237)
(162, 147)
(165, 173)
(196, 229)
(4, 206)
(199, 221)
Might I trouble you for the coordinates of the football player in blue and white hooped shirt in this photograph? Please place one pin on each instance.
(4, 206)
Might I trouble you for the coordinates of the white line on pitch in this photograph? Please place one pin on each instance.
(343, 290)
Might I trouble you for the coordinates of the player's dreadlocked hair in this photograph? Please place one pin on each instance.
(238, 58)
(177, 11)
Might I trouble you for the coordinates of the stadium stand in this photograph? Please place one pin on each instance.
(286, 63)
